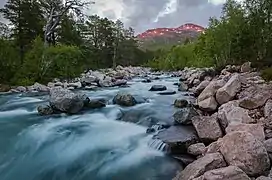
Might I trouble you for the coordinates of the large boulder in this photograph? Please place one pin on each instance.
(246, 67)
(264, 178)
(89, 80)
(196, 149)
(106, 82)
(180, 103)
(209, 104)
(231, 113)
(182, 87)
(255, 96)
(120, 82)
(158, 88)
(211, 89)
(201, 87)
(178, 138)
(96, 103)
(226, 173)
(21, 89)
(200, 166)
(268, 145)
(243, 150)
(185, 115)
(40, 87)
(207, 127)
(124, 99)
(65, 100)
(257, 130)
(229, 90)
(45, 110)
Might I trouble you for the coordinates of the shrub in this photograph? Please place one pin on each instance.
(267, 74)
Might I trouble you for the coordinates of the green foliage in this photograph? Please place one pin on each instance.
(267, 74)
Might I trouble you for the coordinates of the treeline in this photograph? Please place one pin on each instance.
(46, 39)
(242, 33)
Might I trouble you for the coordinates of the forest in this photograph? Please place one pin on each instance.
(45, 39)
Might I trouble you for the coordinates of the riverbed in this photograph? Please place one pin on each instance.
(103, 144)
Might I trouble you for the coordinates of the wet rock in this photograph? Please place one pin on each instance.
(243, 150)
(196, 149)
(158, 88)
(21, 89)
(229, 90)
(185, 115)
(226, 173)
(45, 110)
(180, 103)
(65, 101)
(231, 113)
(124, 99)
(179, 138)
(146, 81)
(255, 96)
(207, 127)
(246, 67)
(89, 80)
(208, 104)
(182, 87)
(120, 82)
(75, 85)
(106, 82)
(96, 103)
(256, 130)
(200, 166)
(185, 159)
(167, 92)
(201, 87)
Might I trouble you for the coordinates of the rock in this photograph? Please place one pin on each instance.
(60, 84)
(96, 103)
(89, 80)
(75, 85)
(158, 88)
(50, 85)
(200, 166)
(120, 82)
(211, 89)
(124, 99)
(214, 147)
(226, 173)
(201, 87)
(45, 110)
(246, 67)
(229, 90)
(196, 149)
(167, 92)
(65, 101)
(208, 104)
(255, 96)
(180, 103)
(106, 82)
(231, 113)
(21, 89)
(185, 115)
(256, 130)
(268, 109)
(40, 87)
(185, 159)
(182, 87)
(146, 81)
(178, 138)
(268, 145)
(207, 128)
(243, 150)
(263, 178)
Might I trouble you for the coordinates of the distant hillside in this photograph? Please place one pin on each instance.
(161, 37)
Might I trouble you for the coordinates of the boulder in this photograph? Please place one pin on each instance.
(214, 147)
(208, 104)
(268, 145)
(158, 88)
(229, 90)
(169, 92)
(180, 103)
(124, 99)
(226, 173)
(185, 159)
(182, 87)
(146, 81)
(45, 110)
(120, 82)
(75, 85)
(211, 89)
(65, 101)
(246, 67)
(40, 87)
(96, 103)
(255, 96)
(201, 87)
(178, 138)
(231, 113)
(185, 115)
(200, 166)
(106, 82)
(207, 128)
(268, 109)
(263, 178)
(196, 149)
(243, 150)
(257, 130)
(21, 89)
(88, 80)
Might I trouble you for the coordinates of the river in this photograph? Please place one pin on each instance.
(104, 144)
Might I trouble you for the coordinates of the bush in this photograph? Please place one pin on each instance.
(267, 74)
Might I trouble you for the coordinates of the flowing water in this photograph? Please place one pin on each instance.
(104, 144)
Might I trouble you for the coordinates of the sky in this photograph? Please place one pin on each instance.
(146, 14)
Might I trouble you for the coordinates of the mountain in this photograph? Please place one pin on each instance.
(159, 37)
